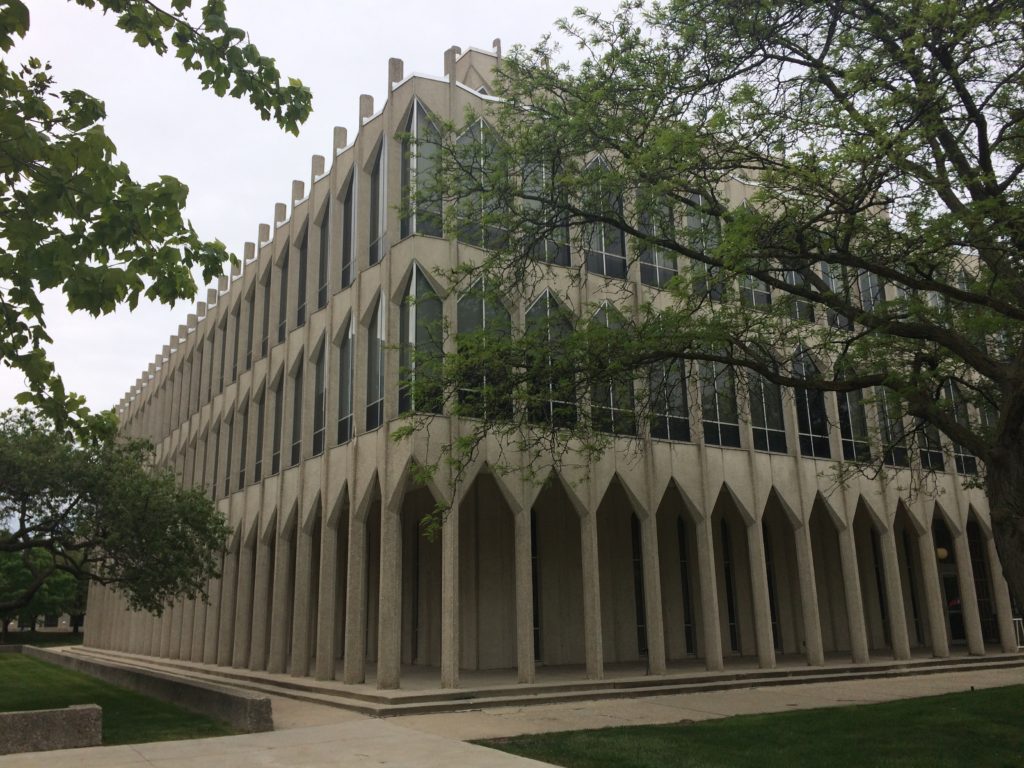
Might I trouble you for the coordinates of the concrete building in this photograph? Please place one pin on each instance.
(723, 538)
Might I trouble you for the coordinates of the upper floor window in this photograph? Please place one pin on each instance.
(754, 292)
(890, 421)
(853, 426)
(550, 235)
(766, 416)
(319, 400)
(551, 391)
(835, 279)
(323, 265)
(261, 413)
(657, 264)
(375, 335)
(421, 198)
(477, 222)
(275, 448)
(872, 290)
(611, 401)
(236, 331)
(229, 428)
(800, 309)
(250, 319)
(345, 388)
(265, 337)
(420, 342)
(347, 230)
(812, 419)
(300, 309)
(243, 414)
(670, 409)
(378, 203)
(718, 402)
(930, 446)
(605, 249)
(966, 462)
(223, 354)
(483, 322)
(282, 302)
(296, 452)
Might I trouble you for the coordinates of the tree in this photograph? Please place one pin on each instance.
(60, 592)
(71, 215)
(98, 509)
(830, 195)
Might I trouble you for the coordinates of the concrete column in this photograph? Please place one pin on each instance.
(225, 637)
(808, 596)
(525, 662)
(203, 608)
(212, 628)
(709, 595)
(593, 639)
(450, 598)
(898, 636)
(354, 667)
(243, 618)
(155, 627)
(283, 604)
(1001, 595)
(260, 600)
(174, 630)
(188, 615)
(327, 603)
(933, 594)
(303, 602)
(654, 614)
(389, 634)
(759, 592)
(854, 601)
(968, 595)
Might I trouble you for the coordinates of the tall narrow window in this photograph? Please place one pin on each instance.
(421, 199)
(670, 409)
(347, 230)
(229, 427)
(223, 355)
(836, 281)
(275, 448)
(345, 387)
(872, 291)
(420, 337)
(966, 463)
(236, 331)
(296, 452)
(730, 589)
(261, 413)
(605, 250)
(704, 234)
(754, 292)
(657, 264)
(611, 402)
(300, 309)
(853, 426)
(250, 318)
(800, 309)
(551, 235)
(265, 333)
(243, 448)
(689, 634)
(282, 299)
(323, 265)
(766, 419)
(319, 403)
(718, 401)
(812, 420)
(483, 324)
(378, 209)
(476, 224)
(551, 393)
(930, 447)
(215, 475)
(890, 419)
(375, 367)
(638, 586)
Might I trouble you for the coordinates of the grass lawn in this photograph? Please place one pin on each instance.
(43, 638)
(976, 728)
(128, 717)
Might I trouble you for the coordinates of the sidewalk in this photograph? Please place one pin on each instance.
(313, 735)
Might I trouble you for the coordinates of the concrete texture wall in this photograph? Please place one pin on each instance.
(45, 729)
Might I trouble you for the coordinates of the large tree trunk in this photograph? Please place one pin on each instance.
(1004, 483)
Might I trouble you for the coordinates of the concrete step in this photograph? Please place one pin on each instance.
(394, 703)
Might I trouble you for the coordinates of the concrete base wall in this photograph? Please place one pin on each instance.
(46, 729)
(247, 712)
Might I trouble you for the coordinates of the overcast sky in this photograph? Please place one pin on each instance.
(237, 166)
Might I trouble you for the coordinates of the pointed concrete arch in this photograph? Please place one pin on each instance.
(334, 508)
(371, 492)
(483, 467)
(956, 526)
(726, 495)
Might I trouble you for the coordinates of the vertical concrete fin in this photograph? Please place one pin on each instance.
(280, 212)
(449, 62)
(264, 234)
(365, 106)
(496, 45)
(340, 138)
(396, 72)
(249, 252)
(298, 191)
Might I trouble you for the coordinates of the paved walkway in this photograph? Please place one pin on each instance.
(312, 735)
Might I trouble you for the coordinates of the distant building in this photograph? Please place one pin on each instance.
(725, 537)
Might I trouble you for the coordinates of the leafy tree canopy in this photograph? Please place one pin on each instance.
(829, 194)
(71, 215)
(100, 509)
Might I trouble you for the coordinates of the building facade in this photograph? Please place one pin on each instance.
(723, 537)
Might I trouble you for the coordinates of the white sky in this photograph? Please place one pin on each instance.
(237, 166)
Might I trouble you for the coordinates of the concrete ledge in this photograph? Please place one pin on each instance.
(243, 710)
(45, 729)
